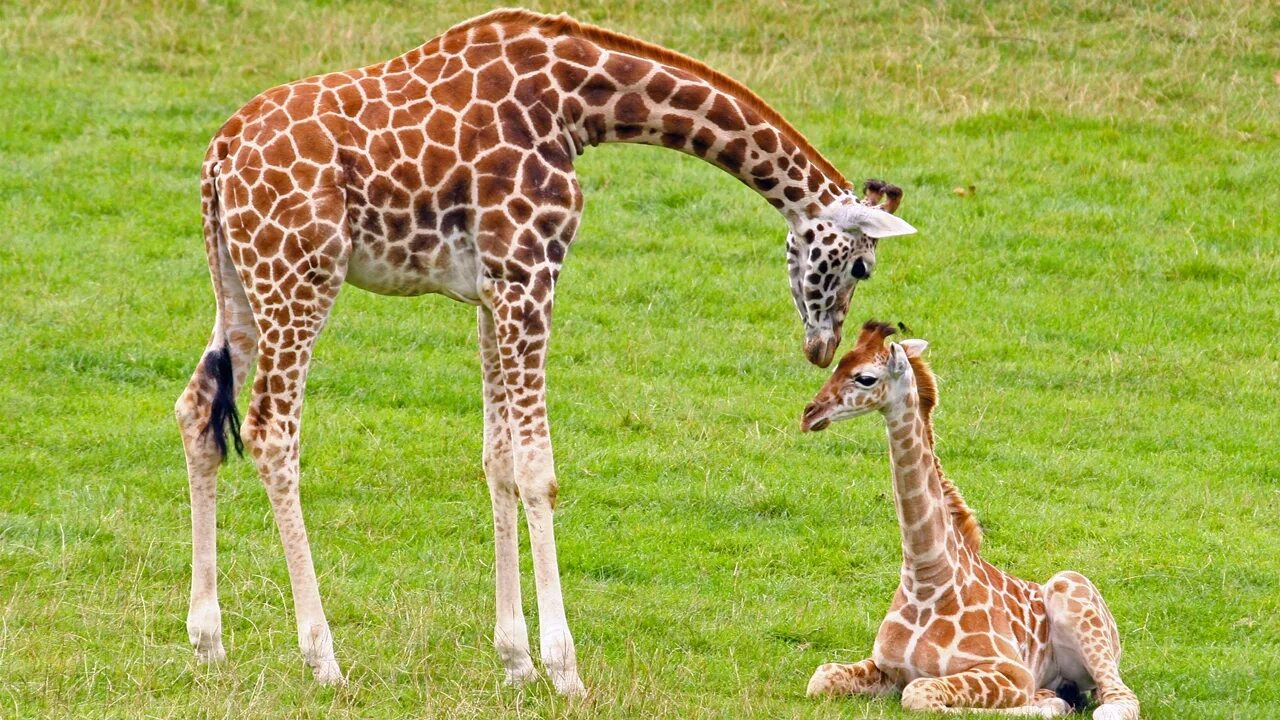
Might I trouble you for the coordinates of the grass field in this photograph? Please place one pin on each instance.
(1103, 315)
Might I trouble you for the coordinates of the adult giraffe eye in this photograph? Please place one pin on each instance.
(860, 271)
(866, 380)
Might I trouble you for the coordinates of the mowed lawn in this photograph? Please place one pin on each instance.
(1103, 311)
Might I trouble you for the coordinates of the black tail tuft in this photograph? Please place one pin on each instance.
(223, 415)
(1070, 692)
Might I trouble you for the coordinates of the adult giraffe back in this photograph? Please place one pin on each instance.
(449, 169)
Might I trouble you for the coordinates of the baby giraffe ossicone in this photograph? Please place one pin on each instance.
(961, 635)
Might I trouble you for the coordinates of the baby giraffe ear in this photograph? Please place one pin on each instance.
(915, 348)
(898, 362)
(874, 222)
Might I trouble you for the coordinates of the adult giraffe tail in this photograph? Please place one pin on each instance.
(223, 416)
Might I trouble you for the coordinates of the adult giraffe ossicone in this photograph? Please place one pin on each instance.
(962, 636)
(449, 170)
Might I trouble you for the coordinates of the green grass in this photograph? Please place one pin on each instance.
(1102, 314)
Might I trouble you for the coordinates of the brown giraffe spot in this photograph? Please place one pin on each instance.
(471, 138)
(942, 633)
(577, 51)
(631, 108)
(568, 77)
(660, 87)
(627, 70)
(702, 141)
(515, 128)
(724, 113)
(732, 155)
(690, 97)
(491, 189)
(975, 621)
(597, 91)
(530, 91)
(925, 655)
(979, 645)
(520, 209)
(454, 93)
(452, 66)
(442, 127)
(494, 83)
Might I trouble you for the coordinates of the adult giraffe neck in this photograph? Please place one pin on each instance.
(612, 87)
(930, 545)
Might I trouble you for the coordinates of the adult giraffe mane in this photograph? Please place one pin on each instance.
(966, 523)
(616, 41)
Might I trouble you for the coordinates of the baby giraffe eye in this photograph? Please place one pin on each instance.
(866, 380)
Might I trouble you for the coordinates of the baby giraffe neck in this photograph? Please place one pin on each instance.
(929, 547)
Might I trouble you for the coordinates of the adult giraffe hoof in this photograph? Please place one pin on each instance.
(568, 684)
(521, 675)
(204, 630)
(328, 673)
(211, 655)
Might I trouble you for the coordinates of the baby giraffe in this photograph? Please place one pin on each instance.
(961, 635)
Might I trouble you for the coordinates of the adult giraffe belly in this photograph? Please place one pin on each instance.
(390, 256)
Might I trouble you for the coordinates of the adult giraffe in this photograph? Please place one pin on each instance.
(449, 170)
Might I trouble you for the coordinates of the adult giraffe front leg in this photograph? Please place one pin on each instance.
(292, 263)
(522, 315)
(510, 633)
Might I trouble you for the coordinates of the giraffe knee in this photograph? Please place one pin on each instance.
(497, 460)
(189, 411)
(539, 492)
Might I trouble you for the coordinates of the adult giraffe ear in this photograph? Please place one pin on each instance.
(915, 348)
(874, 222)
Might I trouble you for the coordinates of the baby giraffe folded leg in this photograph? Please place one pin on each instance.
(985, 689)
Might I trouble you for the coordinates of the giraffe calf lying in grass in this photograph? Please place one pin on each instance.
(961, 635)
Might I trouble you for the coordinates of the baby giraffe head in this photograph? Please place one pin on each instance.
(872, 376)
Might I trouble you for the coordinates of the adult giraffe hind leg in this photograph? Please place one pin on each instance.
(292, 265)
(860, 678)
(1086, 641)
(510, 633)
(203, 412)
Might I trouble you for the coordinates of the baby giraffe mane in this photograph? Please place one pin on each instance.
(967, 525)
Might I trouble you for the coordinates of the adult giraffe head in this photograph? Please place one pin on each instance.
(829, 252)
(873, 376)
